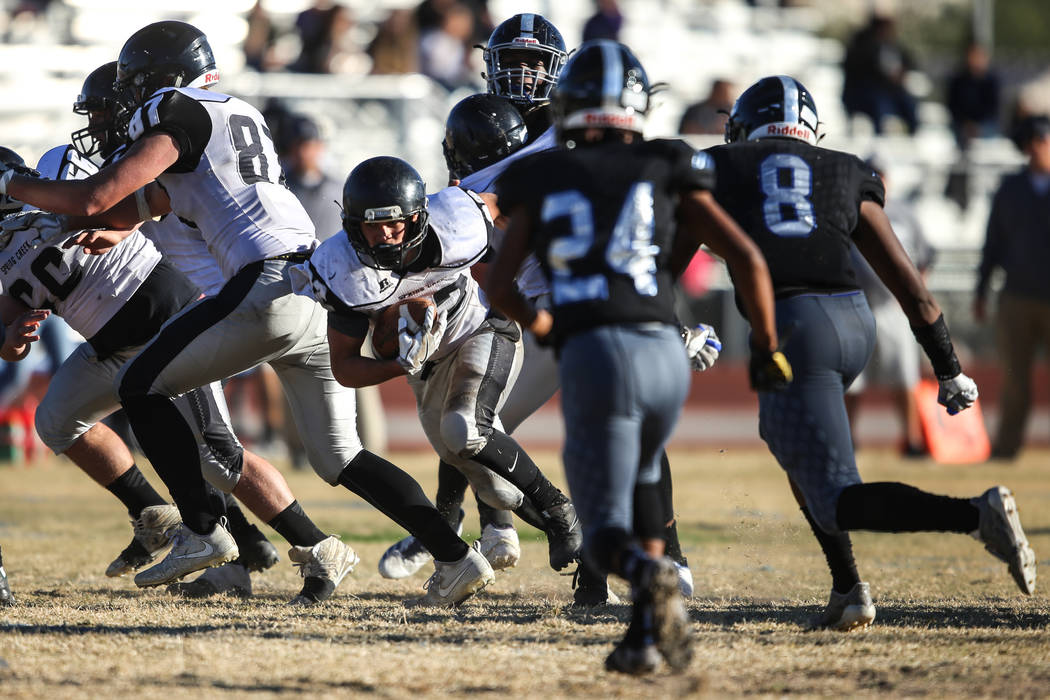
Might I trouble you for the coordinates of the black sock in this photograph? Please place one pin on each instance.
(452, 486)
(838, 551)
(530, 514)
(236, 522)
(672, 548)
(134, 491)
(295, 526)
(169, 444)
(890, 506)
(487, 515)
(399, 497)
(504, 456)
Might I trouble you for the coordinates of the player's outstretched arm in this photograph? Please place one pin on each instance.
(353, 369)
(21, 328)
(701, 217)
(108, 198)
(500, 287)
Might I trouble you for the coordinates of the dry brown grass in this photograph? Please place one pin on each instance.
(950, 621)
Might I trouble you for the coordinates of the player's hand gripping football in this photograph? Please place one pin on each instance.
(769, 371)
(957, 394)
(417, 342)
(701, 346)
(50, 228)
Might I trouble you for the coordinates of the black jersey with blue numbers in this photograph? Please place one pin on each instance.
(603, 224)
(800, 204)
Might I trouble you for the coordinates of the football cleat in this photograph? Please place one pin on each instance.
(152, 531)
(322, 566)
(846, 611)
(500, 546)
(634, 658)
(685, 579)
(6, 597)
(564, 536)
(407, 556)
(1000, 530)
(229, 579)
(454, 582)
(591, 589)
(257, 552)
(190, 552)
(670, 618)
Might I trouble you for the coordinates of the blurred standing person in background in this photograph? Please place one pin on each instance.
(973, 97)
(895, 360)
(326, 41)
(395, 48)
(605, 23)
(258, 43)
(444, 50)
(1018, 242)
(709, 115)
(873, 75)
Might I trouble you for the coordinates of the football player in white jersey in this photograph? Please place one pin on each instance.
(208, 158)
(400, 244)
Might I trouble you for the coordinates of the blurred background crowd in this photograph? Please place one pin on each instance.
(946, 98)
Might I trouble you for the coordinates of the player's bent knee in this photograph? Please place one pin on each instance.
(462, 437)
(492, 489)
(55, 430)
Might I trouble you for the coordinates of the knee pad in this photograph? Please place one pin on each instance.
(462, 437)
(57, 431)
(491, 488)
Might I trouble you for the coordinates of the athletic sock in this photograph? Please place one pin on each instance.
(531, 514)
(891, 506)
(487, 515)
(132, 489)
(452, 486)
(503, 455)
(398, 496)
(672, 548)
(838, 551)
(295, 526)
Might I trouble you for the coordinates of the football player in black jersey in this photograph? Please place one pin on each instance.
(611, 217)
(803, 205)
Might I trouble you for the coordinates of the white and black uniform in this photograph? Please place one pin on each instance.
(538, 380)
(117, 301)
(227, 184)
(465, 382)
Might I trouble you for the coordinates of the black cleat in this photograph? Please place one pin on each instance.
(257, 553)
(228, 579)
(564, 536)
(591, 589)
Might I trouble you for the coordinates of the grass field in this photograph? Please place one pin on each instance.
(951, 622)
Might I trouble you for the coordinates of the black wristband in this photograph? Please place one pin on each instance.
(937, 343)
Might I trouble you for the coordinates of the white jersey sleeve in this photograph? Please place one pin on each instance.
(530, 280)
(459, 233)
(228, 179)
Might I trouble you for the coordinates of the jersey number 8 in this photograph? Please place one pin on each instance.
(792, 195)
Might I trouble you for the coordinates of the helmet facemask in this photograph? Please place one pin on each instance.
(523, 70)
(387, 256)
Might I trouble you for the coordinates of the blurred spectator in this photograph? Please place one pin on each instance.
(430, 14)
(873, 75)
(709, 115)
(395, 48)
(605, 23)
(894, 363)
(326, 42)
(258, 43)
(1018, 242)
(302, 153)
(973, 97)
(444, 50)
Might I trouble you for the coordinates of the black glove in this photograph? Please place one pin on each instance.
(769, 371)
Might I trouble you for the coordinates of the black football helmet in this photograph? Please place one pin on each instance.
(524, 39)
(163, 54)
(107, 117)
(385, 189)
(602, 86)
(777, 106)
(481, 130)
(12, 161)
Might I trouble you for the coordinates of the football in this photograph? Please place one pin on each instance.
(384, 330)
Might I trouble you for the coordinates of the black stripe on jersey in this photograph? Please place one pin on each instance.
(163, 293)
(182, 330)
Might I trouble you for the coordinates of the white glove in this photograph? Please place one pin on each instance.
(957, 394)
(417, 342)
(701, 346)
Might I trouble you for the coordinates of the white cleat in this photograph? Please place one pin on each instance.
(685, 580)
(190, 552)
(847, 611)
(1000, 531)
(152, 531)
(323, 566)
(500, 546)
(404, 558)
(454, 582)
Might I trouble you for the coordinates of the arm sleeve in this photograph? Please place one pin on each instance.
(350, 323)
(870, 185)
(183, 118)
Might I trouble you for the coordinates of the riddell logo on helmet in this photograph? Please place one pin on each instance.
(610, 120)
(531, 41)
(211, 77)
(798, 132)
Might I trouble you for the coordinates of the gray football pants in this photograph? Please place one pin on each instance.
(829, 340)
(622, 389)
(256, 318)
